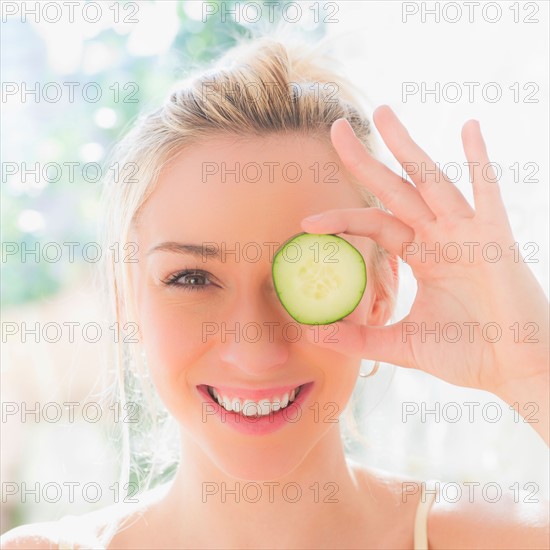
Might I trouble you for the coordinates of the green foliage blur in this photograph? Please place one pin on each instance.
(42, 215)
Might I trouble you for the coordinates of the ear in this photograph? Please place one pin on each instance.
(383, 303)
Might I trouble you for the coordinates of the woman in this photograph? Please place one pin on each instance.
(269, 106)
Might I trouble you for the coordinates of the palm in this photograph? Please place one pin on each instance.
(478, 319)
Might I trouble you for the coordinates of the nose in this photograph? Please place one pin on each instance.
(255, 340)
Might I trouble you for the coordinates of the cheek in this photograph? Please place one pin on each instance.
(339, 383)
(172, 342)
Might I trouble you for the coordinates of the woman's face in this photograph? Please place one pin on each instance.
(224, 327)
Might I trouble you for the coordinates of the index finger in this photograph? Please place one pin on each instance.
(396, 193)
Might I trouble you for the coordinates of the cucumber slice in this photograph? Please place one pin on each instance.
(319, 278)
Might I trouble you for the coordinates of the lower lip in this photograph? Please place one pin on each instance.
(260, 425)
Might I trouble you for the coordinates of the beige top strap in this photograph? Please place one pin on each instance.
(429, 489)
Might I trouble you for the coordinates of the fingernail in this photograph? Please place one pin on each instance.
(314, 218)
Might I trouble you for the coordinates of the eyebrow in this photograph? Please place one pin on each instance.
(199, 250)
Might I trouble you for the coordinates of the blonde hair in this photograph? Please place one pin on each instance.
(260, 87)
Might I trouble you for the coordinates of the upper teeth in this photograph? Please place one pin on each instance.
(248, 407)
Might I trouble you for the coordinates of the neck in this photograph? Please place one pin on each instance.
(316, 499)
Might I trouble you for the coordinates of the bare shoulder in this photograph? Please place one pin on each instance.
(391, 501)
(516, 520)
(32, 535)
(82, 531)
(397, 490)
(478, 520)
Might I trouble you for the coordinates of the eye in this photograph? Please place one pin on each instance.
(189, 279)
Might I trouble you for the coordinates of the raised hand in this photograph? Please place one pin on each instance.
(489, 312)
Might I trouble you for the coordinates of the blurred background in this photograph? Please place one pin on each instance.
(132, 54)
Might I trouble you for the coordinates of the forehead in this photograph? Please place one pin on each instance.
(246, 188)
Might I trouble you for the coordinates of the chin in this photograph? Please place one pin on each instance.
(266, 464)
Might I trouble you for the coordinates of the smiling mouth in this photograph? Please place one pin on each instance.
(275, 401)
